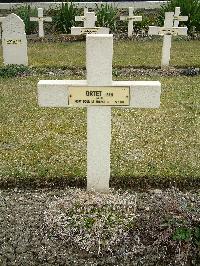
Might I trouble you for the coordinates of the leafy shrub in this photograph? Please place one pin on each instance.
(25, 12)
(190, 8)
(64, 17)
(107, 16)
(13, 71)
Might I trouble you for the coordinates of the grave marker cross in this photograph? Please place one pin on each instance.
(89, 27)
(99, 93)
(131, 18)
(167, 31)
(178, 18)
(89, 19)
(41, 19)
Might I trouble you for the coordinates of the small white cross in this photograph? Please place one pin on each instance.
(99, 93)
(41, 19)
(131, 18)
(89, 19)
(178, 18)
(167, 31)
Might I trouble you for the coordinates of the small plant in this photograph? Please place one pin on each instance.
(182, 234)
(13, 71)
(25, 12)
(107, 16)
(64, 17)
(190, 8)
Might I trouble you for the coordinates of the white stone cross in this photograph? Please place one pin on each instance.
(14, 41)
(167, 31)
(99, 93)
(89, 27)
(41, 19)
(131, 18)
(89, 19)
(178, 18)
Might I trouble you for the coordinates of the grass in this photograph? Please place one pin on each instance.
(134, 53)
(48, 145)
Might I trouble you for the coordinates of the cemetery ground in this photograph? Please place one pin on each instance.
(151, 216)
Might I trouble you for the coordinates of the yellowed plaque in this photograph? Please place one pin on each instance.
(102, 96)
(168, 31)
(13, 41)
(89, 30)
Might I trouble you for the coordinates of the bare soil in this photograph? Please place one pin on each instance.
(72, 227)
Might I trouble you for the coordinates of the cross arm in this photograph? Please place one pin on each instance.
(143, 94)
(54, 93)
(48, 19)
(154, 30)
(34, 19)
(133, 18)
(123, 17)
(79, 18)
(181, 18)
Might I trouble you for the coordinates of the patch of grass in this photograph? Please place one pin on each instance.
(57, 54)
(126, 53)
(163, 143)
(148, 53)
(156, 147)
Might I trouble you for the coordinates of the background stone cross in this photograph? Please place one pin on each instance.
(99, 93)
(89, 19)
(167, 31)
(131, 18)
(178, 18)
(89, 27)
(41, 19)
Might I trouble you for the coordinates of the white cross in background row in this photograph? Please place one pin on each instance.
(131, 19)
(178, 18)
(41, 19)
(89, 19)
(99, 93)
(170, 28)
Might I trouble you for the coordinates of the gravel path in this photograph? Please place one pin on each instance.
(46, 227)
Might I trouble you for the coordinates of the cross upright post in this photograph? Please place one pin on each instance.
(167, 31)
(99, 93)
(131, 18)
(41, 19)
